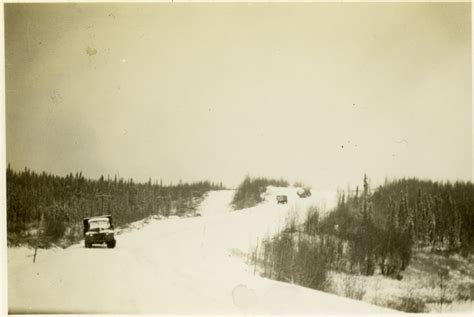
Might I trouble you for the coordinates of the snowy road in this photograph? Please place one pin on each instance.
(173, 266)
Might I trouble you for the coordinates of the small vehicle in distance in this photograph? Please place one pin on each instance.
(303, 192)
(282, 199)
(99, 230)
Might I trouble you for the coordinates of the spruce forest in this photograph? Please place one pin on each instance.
(52, 207)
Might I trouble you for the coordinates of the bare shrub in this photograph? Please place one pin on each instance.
(292, 256)
(354, 287)
(312, 221)
(443, 278)
(408, 304)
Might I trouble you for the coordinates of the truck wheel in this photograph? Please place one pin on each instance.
(111, 244)
(87, 245)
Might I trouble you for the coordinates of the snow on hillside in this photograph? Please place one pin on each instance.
(173, 266)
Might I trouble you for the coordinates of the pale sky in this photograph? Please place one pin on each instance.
(320, 93)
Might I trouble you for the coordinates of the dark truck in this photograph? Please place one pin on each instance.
(99, 230)
(282, 199)
(304, 192)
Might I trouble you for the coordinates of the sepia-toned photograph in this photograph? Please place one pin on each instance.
(238, 158)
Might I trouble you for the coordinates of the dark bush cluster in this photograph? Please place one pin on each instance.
(249, 193)
(292, 257)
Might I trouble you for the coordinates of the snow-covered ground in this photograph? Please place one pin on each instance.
(174, 266)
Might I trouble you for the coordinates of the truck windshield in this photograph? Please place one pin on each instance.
(99, 224)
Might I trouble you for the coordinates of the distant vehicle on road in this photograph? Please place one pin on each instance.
(303, 192)
(282, 199)
(99, 230)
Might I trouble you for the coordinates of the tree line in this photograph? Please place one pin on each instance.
(61, 202)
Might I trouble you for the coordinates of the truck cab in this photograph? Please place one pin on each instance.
(99, 230)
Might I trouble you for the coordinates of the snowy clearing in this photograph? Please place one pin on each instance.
(174, 266)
